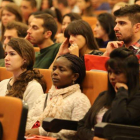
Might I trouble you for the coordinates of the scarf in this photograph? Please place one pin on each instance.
(54, 107)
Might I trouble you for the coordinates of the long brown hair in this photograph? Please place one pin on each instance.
(25, 49)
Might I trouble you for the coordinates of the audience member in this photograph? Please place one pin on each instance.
(41, 32)
(74, 8)
(13, 29)
(46, 4)
(3, 3)
(104, 30)
(127, 29)
(118, 5)
(80, 40)
(67, 19)
(85, 7)
(26, 83)
(28, 7)
(64, 100)
(62, 5)
(100, 5)
(9, 13)
(120, 103)
(137, 2)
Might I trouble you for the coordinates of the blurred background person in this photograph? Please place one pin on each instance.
(104, 29)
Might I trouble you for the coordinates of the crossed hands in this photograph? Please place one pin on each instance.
(65, 48)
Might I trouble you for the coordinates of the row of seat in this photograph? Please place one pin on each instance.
(94, 82)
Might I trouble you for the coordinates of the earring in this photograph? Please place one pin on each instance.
(73, 82)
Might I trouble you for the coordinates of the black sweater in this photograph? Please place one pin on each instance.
(123, 111)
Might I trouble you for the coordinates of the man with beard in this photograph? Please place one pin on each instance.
(127, 29)
(41, 32)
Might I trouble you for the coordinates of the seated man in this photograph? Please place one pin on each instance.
(13, 29)
(41, 32)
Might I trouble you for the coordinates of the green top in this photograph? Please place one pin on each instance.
(46, 56)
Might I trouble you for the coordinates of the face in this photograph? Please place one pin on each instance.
(45, 4)
(79, 40)
(124, 30)
(81, 4)
(13, 61)
(71, 2)
(116, 76)
(36, 31)
(8, 34)
(65, 23)
(138, 2)
(62, 75)
(26, 9)
(7, 17)
(99, 31)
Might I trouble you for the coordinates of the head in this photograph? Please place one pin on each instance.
(28, 7)
(72, 3)
(15, 29)
(46, 4)
(85, 7)
(19, 55)
(60, 3)
(137, 2)
(105, 29)
(9, 13)
(42, 27)
(67, 70)
(123, 67)
(118, 5)
(67, 18)
(82, 28)
(127, 27)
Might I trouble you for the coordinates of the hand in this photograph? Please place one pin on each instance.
(118, 85)
(97, 138)
(111, 46)
(64, 47)
(74, 49)
(31, 132)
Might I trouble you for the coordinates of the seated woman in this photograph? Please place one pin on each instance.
(121, 102)
(104, 30)
(64, 100)
(26, 83)
(80, 40)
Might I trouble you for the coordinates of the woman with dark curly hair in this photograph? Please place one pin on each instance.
(26, 83)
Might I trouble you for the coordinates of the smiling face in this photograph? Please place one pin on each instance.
(7, 17)
(13, 61)
(116, 76)
(124, 30)
(62, 75)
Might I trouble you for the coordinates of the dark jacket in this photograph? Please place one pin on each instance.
(123, 111)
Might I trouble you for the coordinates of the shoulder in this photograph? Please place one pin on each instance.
(34, 83)
(4, 81)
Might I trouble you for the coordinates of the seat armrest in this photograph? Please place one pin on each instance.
(55, 125)
(117, 131)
